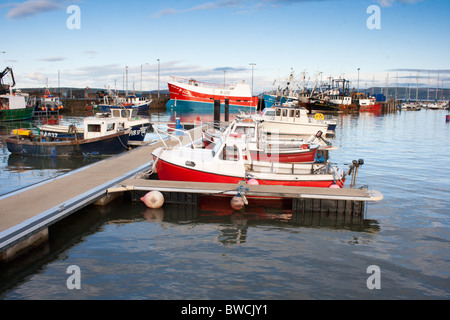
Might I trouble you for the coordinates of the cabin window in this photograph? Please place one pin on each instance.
(291, 113)
(123, 113)
(115, 113)
(297, 113)
(270, 113)
(278, 112)
(284, 113)
(110, 126)
(94, 128)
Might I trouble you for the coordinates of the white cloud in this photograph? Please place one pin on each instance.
(32, 7)
(52, 59)
(36, 76)
(205, 6)
(388, 3)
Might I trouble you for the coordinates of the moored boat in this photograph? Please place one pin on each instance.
(14, 105)
(263, 147)
(238, 95)
(102, 137)
(369, 104)
(112, 101)
(291, 121)
(228, 162)
(127, 118)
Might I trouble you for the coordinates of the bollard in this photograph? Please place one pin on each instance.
(227, 110)
(216, 114)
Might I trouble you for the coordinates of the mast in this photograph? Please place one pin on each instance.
(417, 87)
(437, 89)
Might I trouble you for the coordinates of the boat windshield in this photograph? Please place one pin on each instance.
(217, 146)
(248, 131)
(270, 113)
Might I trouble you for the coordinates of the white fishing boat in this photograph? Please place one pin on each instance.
(265, 147)
(412, 106)
(289, 120)
(14, 105)
(126, 118)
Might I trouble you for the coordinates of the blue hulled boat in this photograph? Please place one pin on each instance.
(128, 119)
(103, 136)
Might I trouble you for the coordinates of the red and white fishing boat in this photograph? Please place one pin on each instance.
(263, 147)
(191, 90)
(369, 104)
(228, 162)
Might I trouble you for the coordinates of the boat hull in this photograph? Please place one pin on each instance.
(270, 100)
(371, 108)
(285, 128)
(329, 107)
(183, 94)
(284, 156)
(16, 114)
(137, 132)
(104, 146)
(172, 172)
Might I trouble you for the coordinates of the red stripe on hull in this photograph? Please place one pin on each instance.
(168, 171)
(179, 93)
(306, 156)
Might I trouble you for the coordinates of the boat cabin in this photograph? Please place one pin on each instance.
(124, 113)
(101, 125)
(286, 114)
(14, 101)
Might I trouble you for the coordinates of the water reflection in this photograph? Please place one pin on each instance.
(19, 163)
(233, 225)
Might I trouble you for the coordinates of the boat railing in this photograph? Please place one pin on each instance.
(177, 136)
(204, 84)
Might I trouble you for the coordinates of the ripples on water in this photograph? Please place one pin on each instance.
(126, 251)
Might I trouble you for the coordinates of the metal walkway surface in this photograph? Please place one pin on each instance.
(32, 209)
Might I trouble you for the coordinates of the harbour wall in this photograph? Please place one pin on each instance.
(76, 106)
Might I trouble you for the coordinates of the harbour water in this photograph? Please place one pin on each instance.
(126, 251)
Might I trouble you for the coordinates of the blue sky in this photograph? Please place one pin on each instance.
(204, 38)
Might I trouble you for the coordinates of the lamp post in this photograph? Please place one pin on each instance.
(158, 77)
(141, 75)
(126, 82)
(252, 64)
(358, 81)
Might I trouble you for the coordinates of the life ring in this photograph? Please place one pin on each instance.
(319, 116)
